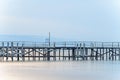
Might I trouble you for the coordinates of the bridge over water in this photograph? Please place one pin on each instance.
(54, 51)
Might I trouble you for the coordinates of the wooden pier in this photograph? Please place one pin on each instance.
(54, 51)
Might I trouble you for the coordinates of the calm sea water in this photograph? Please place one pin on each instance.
(66, 70)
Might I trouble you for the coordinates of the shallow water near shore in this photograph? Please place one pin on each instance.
(60, 70)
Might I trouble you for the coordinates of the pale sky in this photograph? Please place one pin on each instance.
(78, 20)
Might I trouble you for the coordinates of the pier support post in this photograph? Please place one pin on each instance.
(63, 54)
(39, 55)
(106, 55)
(73, 54)
(100, 54)
(109, 55)
(112, 54)
(77, 52)
(17, 55)
(12, 54)
(29, 55)
(17, 52)
(115, 54)
(103, 54)
(54, 52)
(48, 54)
(92, 54)
(86, 54)
(68, 54)
(59, 54)
(96, 56)
(3, 51)
(7, 51)
(23, 53)
(119, 54)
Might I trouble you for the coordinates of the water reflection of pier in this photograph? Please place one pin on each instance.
(35, 51)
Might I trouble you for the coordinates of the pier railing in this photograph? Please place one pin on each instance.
(59, 44)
